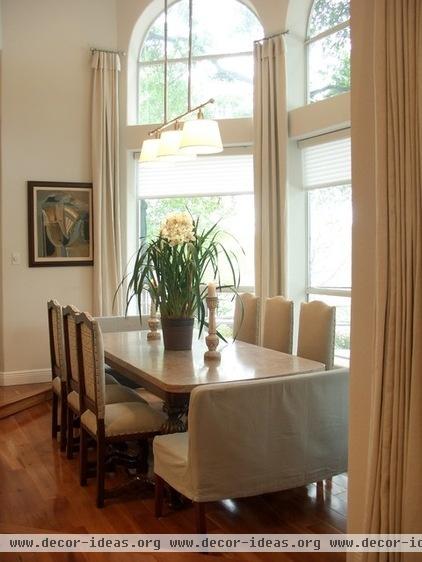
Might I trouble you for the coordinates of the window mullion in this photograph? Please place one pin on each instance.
(328, 32)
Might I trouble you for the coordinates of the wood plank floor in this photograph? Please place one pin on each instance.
(39, 492)
(14, 399)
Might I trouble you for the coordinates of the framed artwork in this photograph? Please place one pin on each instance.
(60, 224)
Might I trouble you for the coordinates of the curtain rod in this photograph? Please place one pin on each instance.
(272, 36)
(95, 50)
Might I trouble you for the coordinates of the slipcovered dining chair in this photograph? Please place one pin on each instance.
(58, 371)
(110, 324)
(278, 324)
(256, 437)
(106, 423)
(114, 392)
(317, 328)
(246, 318)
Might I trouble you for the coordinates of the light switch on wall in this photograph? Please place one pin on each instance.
(15, 258)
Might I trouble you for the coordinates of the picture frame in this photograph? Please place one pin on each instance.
(60, 224)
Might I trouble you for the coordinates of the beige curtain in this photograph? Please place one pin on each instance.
(105, 173)
(395, 466)
(270, 131)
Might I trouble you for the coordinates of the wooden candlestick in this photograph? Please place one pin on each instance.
(212, 339)
(153, 324)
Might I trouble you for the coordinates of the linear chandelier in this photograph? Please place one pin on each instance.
(187, 138)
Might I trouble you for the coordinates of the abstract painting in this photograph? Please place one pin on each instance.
(60, 224)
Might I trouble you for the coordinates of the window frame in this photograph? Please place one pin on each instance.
(194, 58)
(309, 40)
(245, 149)
(311, 290)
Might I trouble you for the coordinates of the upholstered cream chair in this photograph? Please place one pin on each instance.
(255, 437)
(109, 324)
(246, 318)
(317, 327)
(58, 371)
(114, 392)
(106, 423)
(277, 331)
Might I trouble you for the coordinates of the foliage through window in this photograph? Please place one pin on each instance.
(328, 45)
(222, 63)
(213, 189)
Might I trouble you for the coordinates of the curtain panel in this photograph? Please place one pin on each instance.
(395, 462)
(105, 174)
(270, 145)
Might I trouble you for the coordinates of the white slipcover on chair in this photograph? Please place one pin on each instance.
(256, 437)
(317, 330)
(110, 324)
(278, 324)
(246, 318)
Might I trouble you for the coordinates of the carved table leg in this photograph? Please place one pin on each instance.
(176, 408)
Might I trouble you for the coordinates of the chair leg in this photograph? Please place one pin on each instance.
(100, 472)
(70, 438)
(159, 495)
(54, 416)
(83, 457)
(63, 424)
(201, 524)
(144, 451)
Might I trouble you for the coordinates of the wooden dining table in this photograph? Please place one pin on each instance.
(172, 375)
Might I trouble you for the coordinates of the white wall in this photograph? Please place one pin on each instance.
(45, 109)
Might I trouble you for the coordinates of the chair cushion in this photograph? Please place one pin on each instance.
(109, 379)
(73, 400)
(171, 461)
(57, 385)
(114, 394)
(125, 418)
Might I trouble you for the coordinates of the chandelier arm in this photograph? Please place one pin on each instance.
(157, 130)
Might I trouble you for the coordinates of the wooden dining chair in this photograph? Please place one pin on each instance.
(317, 328)
(278, 324)
(106, 423)
(114, 392)
(58, 371)
(246, 318)
(113, 324)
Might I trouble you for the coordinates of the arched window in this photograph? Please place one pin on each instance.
(328, 44)
(222, 66)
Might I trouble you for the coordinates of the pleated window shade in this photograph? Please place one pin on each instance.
(208, 175)
(326, 164)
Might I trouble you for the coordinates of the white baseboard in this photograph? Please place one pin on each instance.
(25, 377)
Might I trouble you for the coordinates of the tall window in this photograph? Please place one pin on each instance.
(328, 45)
(327, 179)
(223, 32)
(212, 188)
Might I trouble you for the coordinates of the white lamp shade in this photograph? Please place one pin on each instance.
(149, 150)
(201, 136)
(169, 143)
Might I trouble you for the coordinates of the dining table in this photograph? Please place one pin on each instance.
(172, 375)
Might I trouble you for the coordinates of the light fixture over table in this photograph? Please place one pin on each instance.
(198, 136)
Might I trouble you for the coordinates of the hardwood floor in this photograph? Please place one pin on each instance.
(39, 491)
(14, 399)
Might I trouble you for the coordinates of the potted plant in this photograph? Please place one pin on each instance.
(174, 267)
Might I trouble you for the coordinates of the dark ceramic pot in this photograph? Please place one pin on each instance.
(177, 333)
